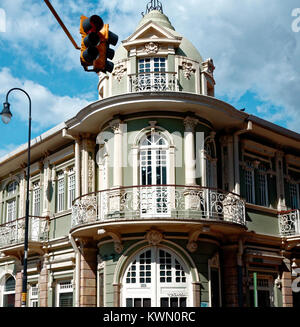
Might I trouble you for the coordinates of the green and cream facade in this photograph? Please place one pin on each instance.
(158, 194)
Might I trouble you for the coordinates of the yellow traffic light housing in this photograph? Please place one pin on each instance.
(95, 41)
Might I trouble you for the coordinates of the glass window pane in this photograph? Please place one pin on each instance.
(146, 303)
(129, 303)
(66, 300)
(174, 302)
(164, 302)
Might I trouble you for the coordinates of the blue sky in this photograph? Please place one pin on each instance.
(254, 47)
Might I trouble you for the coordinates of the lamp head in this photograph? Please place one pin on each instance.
(6, 114)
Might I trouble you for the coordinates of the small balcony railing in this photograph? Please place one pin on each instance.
(152, 81)
(159, 202)
(13, 232)
(289, 222)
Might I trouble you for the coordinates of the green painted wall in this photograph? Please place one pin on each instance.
(262, 223)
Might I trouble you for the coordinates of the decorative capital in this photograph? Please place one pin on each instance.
(116, 125)
(119, 71)
(208, 66)
(188, 69)
(190, 124)
(154, 237)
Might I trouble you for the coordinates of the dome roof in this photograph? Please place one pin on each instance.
(186, 48)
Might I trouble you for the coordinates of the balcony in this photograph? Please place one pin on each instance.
(160, 203)
(12, 233)
(152, 81)
(289, 223)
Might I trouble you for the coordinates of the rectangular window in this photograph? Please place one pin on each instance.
(263, 189)
(249, 183)
(36, 200)
(294, 196)
(60, 192)
(71, 188)
(152, 74)
(11, 210)
(64, 294)
(264, 293)
(34, 294)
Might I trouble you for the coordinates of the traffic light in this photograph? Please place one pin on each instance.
(95, 50)
(107, 38)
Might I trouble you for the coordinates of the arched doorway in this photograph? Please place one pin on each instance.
(8, 293)
(156, 277)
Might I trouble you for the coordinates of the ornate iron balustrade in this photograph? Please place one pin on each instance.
(152, 81)
(289, 222)
(159, 202)
(13, 232)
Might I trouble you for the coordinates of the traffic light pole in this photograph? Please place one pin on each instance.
(62, 24)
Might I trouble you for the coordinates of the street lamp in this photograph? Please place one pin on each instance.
(6, 117)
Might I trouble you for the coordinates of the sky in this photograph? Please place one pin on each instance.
(255, 46)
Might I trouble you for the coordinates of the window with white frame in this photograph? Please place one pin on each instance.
(156, 277)
(154, 171)
(249, 182)
(36, 199)
(12, 188)
(34, 296)
(152, 73)
(11, 201)
(11, 210)
(64, 294)
(71, 187)
(60, 191)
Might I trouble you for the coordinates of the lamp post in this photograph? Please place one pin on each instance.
(6, 117)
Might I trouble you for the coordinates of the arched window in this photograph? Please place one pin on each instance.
(154, 152)
(9, 292)
(156, 278)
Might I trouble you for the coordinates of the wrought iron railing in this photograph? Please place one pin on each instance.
(13, 232)
(159, 202)
(152, 81)
(289, 222)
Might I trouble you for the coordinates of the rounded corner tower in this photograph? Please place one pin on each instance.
(157, 58)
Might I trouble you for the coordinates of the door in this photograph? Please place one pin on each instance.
(156, 278)
(154, 200)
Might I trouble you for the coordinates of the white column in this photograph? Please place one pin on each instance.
(46, 190)
(22, 202)
(77, 167)
(189, 151)
(280, 181)
(116, 125)
(88, 164)
(237, 186)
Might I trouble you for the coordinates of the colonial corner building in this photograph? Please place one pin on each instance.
(156, 195)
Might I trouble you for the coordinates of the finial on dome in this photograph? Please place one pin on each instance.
(153, 5)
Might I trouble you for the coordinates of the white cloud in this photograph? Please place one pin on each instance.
(251, 41)
(48, 109)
